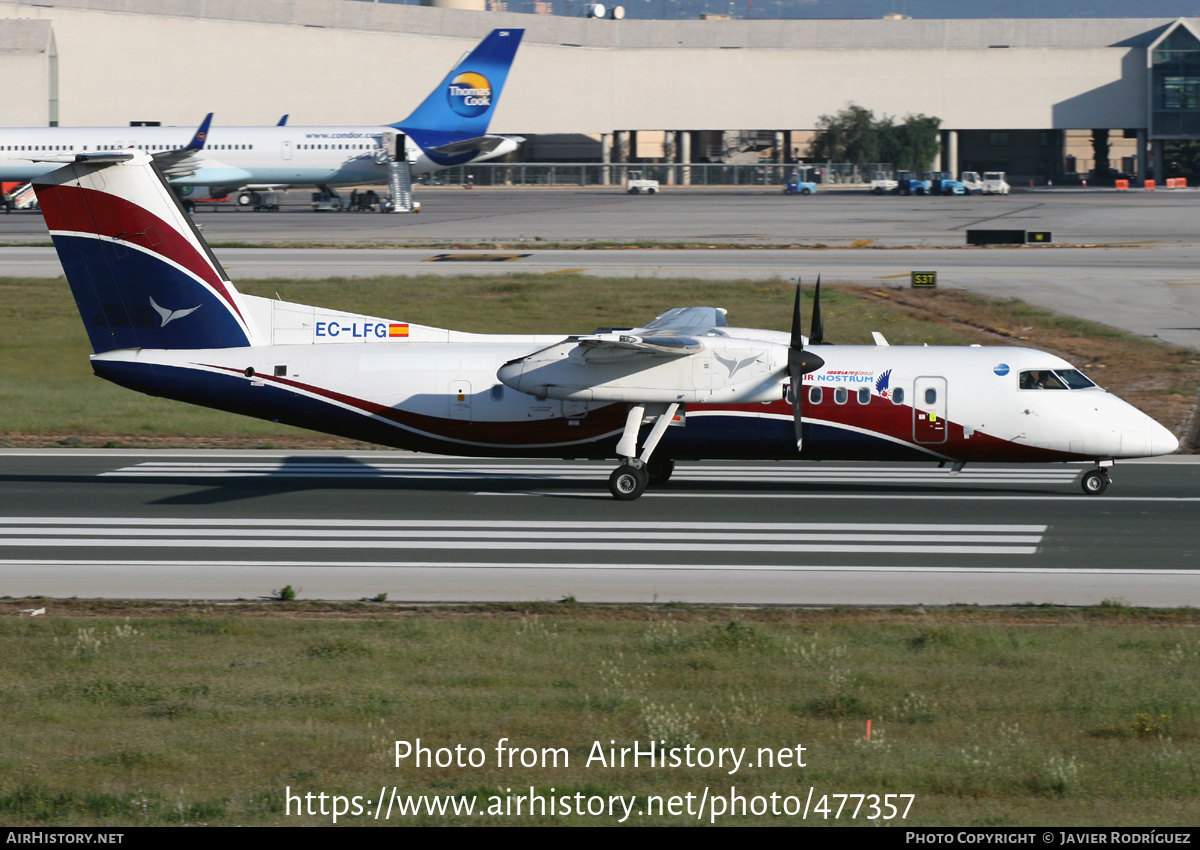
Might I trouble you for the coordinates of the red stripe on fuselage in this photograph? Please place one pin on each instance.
(80, 210)
(895, 421)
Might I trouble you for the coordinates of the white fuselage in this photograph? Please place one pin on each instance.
(960, 403)
(232, 157)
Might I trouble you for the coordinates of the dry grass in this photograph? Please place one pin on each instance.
(147, 713)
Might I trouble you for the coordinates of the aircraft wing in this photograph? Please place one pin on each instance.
(676, 333)
(183, 162)
(691, 318)
(477, 146)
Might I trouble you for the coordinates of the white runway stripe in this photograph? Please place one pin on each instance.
(544, 536)
(944, 548)
(573, 565)
(260, 524)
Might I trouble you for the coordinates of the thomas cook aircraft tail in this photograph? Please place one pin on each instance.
(140, 272)
(459, 109)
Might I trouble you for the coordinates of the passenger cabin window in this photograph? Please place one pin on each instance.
(931, 396)
(864, 395)
(841, 395)
(898, 395)
(814, 395)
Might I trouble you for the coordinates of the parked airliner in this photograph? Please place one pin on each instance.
(164, 319)
(448, 128)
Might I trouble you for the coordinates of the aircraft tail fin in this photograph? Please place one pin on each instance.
(461, 106)
(141, 274)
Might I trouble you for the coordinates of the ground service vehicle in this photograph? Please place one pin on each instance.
(881, 183)
(943, 183)
(636, 184)
(907, 184)
(971, 182)
(798, 182)
(994, 183)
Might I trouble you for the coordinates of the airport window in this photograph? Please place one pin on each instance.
(864, 395)
(814, 395)
(1175, 84)
(998, 139)
(898, 395)
(841, 395)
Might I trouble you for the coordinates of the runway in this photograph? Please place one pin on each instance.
(201, 525)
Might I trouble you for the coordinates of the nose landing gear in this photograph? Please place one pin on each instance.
(1095, 481)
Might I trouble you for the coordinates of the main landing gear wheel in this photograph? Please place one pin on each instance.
(628, 482)
(1094, 482)
(659, 471)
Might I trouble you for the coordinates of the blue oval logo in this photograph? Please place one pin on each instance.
(1001, 369)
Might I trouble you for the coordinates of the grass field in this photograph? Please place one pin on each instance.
(184, 714)
(48, 394)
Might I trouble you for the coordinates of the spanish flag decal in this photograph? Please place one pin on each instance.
(397, 330)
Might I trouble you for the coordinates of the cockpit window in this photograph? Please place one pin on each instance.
(1054, 379)
(1074, 379)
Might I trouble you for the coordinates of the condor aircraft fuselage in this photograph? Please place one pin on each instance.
(448, 128)
(164, 319)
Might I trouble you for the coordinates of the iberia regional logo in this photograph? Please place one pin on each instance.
(882, 382)
(470, 94)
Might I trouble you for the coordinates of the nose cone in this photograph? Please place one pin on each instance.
(1162, 441)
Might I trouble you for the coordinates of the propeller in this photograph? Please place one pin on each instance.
(800, 361)
(816, 333)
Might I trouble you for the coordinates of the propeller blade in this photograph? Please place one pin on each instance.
(797, 342)
(816, 336)
(800, 363)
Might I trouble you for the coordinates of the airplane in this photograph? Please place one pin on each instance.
(448, 128)
(165, 319)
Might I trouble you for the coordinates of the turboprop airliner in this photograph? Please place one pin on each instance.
(448, 128)
(165, 319)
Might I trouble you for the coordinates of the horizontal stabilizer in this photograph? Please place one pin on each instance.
(475, 147)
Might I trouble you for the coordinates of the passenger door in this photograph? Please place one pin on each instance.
(929, 410)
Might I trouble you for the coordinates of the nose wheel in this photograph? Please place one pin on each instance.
(1095, 481)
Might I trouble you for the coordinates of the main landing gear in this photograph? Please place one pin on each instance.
(636, 472)
(1096, 481)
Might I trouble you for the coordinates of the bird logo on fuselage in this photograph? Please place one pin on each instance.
(735, 365)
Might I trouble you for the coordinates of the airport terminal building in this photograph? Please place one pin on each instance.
(1034, 97)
